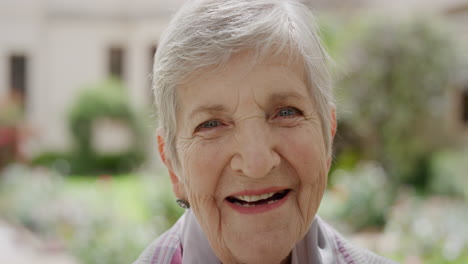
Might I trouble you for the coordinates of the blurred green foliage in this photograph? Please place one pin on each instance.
(105, 220)
(449, 170)
(432, 228)
(411, 227)
(366, 197)
(393, 98)
(106, 100)
(112, 219)
(393, 95)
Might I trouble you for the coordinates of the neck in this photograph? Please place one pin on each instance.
(287, 260)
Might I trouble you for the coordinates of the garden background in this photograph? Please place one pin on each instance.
(398, 183)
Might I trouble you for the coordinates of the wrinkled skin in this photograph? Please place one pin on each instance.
(249, 127)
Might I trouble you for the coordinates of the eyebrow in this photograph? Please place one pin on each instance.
(282, 96)
(215, 108)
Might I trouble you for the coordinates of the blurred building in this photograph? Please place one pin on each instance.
(50, 49)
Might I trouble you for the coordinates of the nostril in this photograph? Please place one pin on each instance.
(276, 159)
(236, 163)
(255, 165)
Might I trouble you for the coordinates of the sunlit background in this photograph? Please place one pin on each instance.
(80, 181)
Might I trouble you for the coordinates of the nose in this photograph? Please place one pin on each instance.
(254, 152)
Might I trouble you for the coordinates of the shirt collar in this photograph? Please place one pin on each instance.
(195, 245)
(315, 247)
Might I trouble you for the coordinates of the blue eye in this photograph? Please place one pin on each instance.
(286, 112)
(208, 124)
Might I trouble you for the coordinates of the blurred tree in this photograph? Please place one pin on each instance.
(394, 99)
(106, 100)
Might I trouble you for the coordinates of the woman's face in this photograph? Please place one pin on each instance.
(253, 163)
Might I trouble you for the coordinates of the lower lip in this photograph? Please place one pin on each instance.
(259, 208)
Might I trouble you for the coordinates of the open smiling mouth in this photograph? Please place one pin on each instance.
(257, 200)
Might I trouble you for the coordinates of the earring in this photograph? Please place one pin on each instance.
(182, 203)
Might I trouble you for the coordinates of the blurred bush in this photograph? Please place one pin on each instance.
(418, 228)
(58, 161)
(449, 170)
(100, 221)
(103, 101)
(394, 94)
(432, 230)
(359, 199)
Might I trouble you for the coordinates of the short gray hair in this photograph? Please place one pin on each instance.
(208, 32)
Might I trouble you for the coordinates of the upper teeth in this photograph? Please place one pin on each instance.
(254, 198)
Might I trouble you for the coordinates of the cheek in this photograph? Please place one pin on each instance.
(304, 150)
(203, 164)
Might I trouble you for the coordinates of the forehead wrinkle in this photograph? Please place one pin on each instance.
(217, 74)
(290, 74)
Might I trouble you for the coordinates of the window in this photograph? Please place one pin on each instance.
(464, 107)
(116, 62)
(18, 76)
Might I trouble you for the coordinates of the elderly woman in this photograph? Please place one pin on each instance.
(246, 127)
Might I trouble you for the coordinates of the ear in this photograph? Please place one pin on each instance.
(177, 186)
(333, 128)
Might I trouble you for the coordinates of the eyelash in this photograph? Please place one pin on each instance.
(202, 125)
(208, 125)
